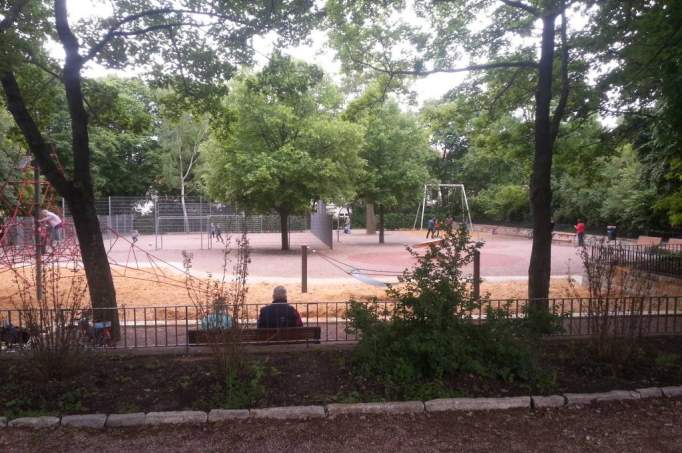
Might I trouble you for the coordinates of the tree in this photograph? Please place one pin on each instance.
(281, 144)
(370, 36)
(641, 42)
(181, 141)
(165, 40)
(396, 150)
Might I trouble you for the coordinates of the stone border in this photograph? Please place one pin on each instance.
(174, 418)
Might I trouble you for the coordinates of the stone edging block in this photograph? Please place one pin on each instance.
(176, 418)
(221, 415)
(123, 420)
(290, 412)
(98, 421)
(34, 422)
(542, 402)
(400, 407)
(94, 421)
(477, 404)
(650, 392)
(672, 392)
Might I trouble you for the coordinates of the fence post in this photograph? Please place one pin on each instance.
(304, 268)
(109, 222)
(477, 274)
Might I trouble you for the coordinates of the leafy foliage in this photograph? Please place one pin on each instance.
(429, 335)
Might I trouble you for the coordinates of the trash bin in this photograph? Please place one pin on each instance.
(611, 232)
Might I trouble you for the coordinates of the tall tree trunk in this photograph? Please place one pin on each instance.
(95, 259)
(381, 224)
(370, 219)
(540, 187)
(284, 227)
(184, 206)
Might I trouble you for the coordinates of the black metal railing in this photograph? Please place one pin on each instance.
(170, 326)
(660, 259)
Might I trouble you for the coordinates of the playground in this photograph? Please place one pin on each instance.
(356, 267)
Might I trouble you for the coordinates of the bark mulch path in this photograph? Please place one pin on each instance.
(633, 426)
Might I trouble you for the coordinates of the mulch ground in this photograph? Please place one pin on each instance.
(115, 383)
(633, 426)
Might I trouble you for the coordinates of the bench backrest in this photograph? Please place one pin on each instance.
(259, 336)
(649, 240)
(674, 241)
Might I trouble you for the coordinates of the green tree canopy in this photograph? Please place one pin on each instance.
(280, 144)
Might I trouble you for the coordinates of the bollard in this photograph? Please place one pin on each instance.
(477, 274)
(304, 268)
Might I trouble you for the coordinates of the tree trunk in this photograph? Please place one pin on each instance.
(95, 259)
(284, 227)
(184, 206)
(540, 187)
(381, 224)
(371, 223)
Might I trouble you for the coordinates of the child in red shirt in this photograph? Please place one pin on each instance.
(580, 231)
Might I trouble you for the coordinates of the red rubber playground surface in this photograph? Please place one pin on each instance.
(356, 256)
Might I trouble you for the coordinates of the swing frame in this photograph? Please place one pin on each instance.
(422, 205)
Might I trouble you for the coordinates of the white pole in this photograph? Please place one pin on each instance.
(466, 203)
(421, 224)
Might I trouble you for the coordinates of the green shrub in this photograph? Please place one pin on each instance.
(429, 336)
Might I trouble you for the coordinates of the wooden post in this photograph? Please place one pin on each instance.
(304, 268)
(477, 274)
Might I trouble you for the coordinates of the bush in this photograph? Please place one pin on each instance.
(429, 337)
(504, 203)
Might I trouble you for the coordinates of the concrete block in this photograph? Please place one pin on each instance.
(34, 422)
(402, 407)
(290, 412)
(93, 421)
(542, 402)
(672, 392)
(477, 404)
(3, 422)
(221, 415)
(573, 399)
(650, 392)
(123, 420)
(176, 418)
(617, 395)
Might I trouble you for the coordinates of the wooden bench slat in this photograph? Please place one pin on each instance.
(260, 336)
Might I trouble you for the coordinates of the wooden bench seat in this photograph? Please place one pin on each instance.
(257, 336)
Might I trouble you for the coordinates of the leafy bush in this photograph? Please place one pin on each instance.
(428, 336)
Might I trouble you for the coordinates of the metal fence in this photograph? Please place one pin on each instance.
(195, 218)
(170, 326)
(662, 259)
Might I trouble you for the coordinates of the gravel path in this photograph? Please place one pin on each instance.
(641, 426)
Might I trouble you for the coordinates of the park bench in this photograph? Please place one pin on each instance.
(286, 335)
(674, 241)
(560, 236)
(650, 241)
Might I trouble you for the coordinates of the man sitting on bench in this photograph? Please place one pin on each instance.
(279, 313)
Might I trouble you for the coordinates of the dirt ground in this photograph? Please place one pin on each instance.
(150, 288)
(637, 426)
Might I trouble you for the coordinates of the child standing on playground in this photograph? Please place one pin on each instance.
(218, 233)
(580, 232)
(431, 226)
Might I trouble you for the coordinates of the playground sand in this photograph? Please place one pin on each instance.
(149, 288)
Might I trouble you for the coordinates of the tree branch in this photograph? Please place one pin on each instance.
(470, 68)
(80, 141)
(520, 5)
(36, 143)
(563, 96)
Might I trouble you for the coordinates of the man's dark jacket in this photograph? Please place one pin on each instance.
(279, 314)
